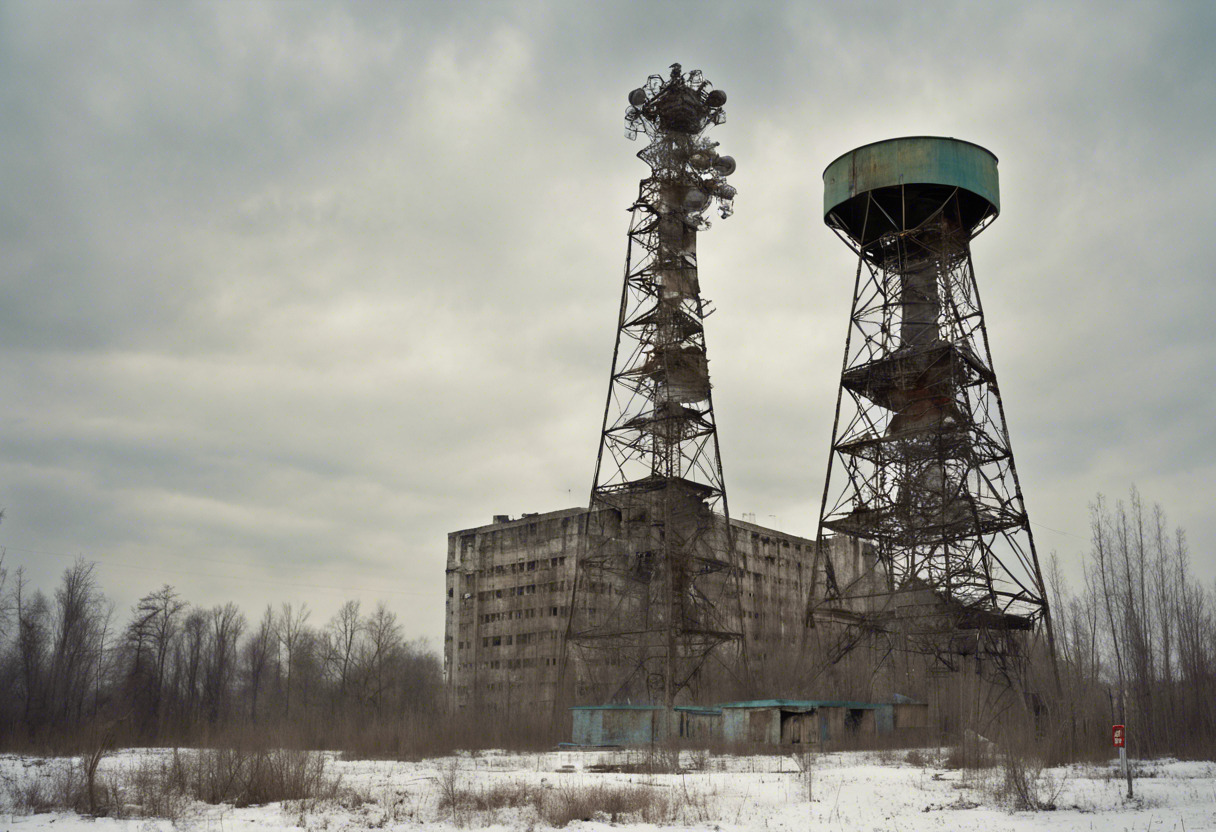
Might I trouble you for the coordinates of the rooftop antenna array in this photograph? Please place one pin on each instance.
(921, 468)
(653, 598)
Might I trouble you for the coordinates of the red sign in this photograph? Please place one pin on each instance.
(1118, 735)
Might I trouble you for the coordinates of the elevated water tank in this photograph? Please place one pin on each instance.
(898, 184)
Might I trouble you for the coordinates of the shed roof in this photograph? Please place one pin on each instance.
(691, 709)
(801, 703)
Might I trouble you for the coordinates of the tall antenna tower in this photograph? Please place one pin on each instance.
(652, 598)
(921, 467)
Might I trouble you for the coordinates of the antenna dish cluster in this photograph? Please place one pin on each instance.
(674, 112)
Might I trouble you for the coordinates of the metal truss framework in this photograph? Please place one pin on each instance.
(921, 465)
(653, 596)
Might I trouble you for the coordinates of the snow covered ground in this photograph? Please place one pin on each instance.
(839, 791)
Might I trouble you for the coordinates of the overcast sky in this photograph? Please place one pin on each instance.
(290, 291)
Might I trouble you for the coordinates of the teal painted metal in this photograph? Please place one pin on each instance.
(802, 703)
(884, 719)
(614, 725)
(924, 160)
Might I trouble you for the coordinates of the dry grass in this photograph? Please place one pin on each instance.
(613, 803)
(65, 785)
(479, 804)
(164, 787)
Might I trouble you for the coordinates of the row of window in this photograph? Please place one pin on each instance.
(529, 566)
(512, 615)
(510, 664)
(515, 591)
(516, 638)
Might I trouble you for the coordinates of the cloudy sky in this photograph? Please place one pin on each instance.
(291, 291)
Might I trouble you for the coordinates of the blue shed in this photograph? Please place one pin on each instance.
(615, 724)
(802, 722)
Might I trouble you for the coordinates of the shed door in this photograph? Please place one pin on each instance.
(757, 726)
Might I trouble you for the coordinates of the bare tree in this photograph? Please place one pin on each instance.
(227, 623)
(33, 650)
(341, 640)
(256, 655)
(77, 618)
(150, 637)
(379, 650)
(188, 657)
(290, 629)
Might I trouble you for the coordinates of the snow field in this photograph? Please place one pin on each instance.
(840, 791)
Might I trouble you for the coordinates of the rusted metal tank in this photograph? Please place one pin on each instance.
(909, 179)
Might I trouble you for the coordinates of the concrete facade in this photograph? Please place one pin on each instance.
(509, 588)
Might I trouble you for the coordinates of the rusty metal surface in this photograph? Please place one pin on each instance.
(929, 160)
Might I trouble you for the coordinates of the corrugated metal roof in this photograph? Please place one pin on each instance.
(801, 703)
(753, 703)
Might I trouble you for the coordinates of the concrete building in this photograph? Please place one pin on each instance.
(509, 586)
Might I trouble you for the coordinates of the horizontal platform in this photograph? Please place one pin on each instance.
(889, 523)
(940, 367)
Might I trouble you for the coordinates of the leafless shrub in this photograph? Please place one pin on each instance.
(698, 759)
(613, 803)
(148, 792)
(450, 792)
(68, 786)
(972, 752)
(242, 778)
(30, 795)
(1027, 784)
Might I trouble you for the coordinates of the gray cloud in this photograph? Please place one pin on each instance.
(289, 292)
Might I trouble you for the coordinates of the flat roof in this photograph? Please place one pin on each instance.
(802, 703)
(691, 709)
(575, 512)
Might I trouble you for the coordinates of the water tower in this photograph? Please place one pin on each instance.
(921, 471)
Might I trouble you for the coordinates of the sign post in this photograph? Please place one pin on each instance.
(1118, 734)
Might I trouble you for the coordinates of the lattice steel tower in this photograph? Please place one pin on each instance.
(653, 596)
(921, 467)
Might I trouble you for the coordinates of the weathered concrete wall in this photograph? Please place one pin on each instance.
(509, 588)
(508, 599)
(911, 715)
